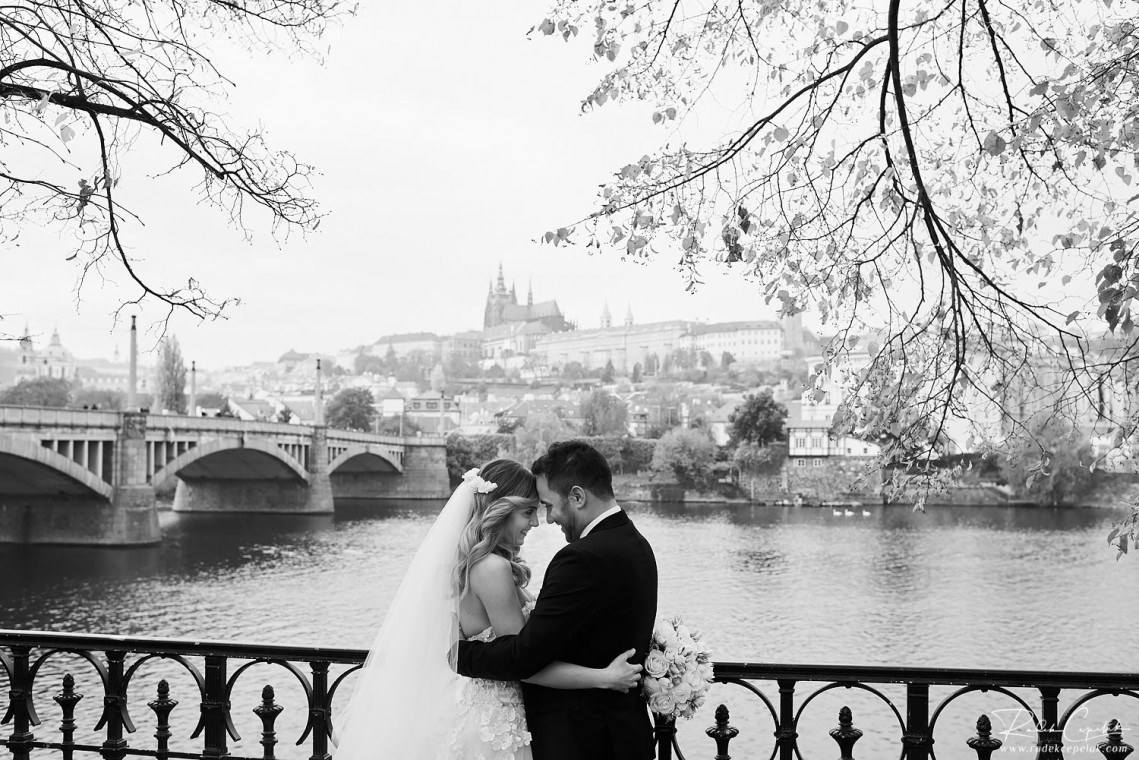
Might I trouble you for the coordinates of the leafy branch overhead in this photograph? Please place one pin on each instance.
(84, 82)
(951, 181)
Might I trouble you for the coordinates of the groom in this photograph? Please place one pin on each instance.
(599, 598)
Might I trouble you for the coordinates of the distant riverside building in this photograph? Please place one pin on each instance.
(29, 361)
(650, 344)
(747, 342)
(625, 346)
(405, 344)
(465, 345)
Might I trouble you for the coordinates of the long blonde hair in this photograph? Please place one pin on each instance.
(515, 488)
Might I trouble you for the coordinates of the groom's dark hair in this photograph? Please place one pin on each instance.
(574, 463)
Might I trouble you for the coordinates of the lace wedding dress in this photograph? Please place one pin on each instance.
(492, 716)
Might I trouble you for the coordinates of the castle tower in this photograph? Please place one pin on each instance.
(606, 317)
(793, 333)
(496, 298)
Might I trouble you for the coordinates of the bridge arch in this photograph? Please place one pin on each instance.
(232, 459)
(51, 474)
(364, 458)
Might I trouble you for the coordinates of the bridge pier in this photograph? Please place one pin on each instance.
(286, 494)
(424, 476)
(51, 510)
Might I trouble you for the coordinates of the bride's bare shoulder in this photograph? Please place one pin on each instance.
(492, 571)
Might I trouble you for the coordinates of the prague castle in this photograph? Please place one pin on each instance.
(539, 335)
(502, 308)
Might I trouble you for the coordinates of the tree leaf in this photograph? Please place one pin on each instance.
(994, 144)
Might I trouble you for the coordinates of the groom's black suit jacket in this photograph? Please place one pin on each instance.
(599, 598)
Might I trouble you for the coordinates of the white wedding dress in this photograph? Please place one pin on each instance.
(491, 716)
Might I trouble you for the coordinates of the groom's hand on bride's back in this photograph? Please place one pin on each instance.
(622, 674)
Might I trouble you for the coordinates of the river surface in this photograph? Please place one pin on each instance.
(977, 587)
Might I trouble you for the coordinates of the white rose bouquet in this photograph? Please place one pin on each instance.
(677, 670)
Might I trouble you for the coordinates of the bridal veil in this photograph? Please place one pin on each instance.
(405, 698)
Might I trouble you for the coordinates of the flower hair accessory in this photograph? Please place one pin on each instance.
(477, 483)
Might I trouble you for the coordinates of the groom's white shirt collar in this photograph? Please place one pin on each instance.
(607, 513)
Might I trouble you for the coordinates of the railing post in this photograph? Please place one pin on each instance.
(215, 709)
(917, 739)
(268, 711)
(20, 710)
(845, 735)
(665, 730)
(722, 733)
(162, 705)
(1049, 740)
(983, 743)
(67, 699)
(115, 716)
(1114, 747)
(319, 712)
(785, 735)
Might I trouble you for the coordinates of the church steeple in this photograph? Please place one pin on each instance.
(629, 315)
(501, 280)
(530, 292)
(606, 317)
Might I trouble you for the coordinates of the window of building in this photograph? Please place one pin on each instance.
(800, 462)
(432, 405)
(817, 463)
(801, 442)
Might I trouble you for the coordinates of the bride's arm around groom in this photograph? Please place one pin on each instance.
(598, 599)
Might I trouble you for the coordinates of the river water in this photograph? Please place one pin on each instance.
(977, 587)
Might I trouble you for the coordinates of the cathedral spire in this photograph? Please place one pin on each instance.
(629, 315)
(530, 292)
(606, 317)
(501, 280)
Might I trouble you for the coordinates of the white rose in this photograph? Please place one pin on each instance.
(651, 687)
(662, 703)
(681, 692)
(682, 632)
(672, 653)
(656, 664)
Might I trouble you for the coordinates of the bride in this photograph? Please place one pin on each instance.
(466, 580)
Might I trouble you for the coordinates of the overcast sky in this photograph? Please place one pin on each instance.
(446, 141)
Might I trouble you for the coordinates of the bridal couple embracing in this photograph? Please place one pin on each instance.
(468, 664)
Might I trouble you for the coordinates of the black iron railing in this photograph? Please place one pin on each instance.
(783, 692)
(773, 694)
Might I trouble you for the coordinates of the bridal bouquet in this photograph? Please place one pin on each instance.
(677, 670)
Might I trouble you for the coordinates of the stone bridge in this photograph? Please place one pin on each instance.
(90, 477)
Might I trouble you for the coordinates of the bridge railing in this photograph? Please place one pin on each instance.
(34, 416)
(220, 681)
